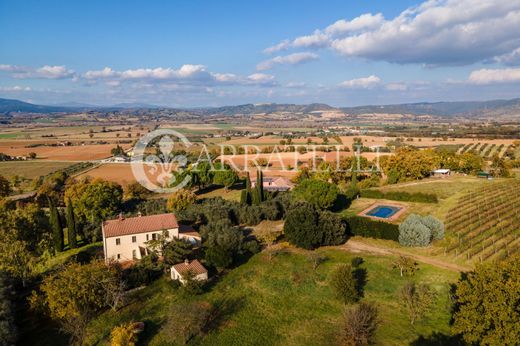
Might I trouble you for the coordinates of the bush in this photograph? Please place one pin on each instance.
(123, 335)
(365, 227)
(332, 228)
(400, 196)
(344, 284)
(359, 325)
(412, 232)
(435, 225)
(301, 225)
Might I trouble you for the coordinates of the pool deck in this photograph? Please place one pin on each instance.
(391, 218)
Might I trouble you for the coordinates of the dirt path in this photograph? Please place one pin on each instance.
(357, 246)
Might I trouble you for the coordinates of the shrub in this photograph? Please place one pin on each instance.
(435, 225)
(344, 284)
(300, 226)
(412, 232)
(400, 196)
(332, 228)
(123, 335)
(365, 227)
(359, 325)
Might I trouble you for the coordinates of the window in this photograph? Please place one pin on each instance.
(167, 234)
(154, 236)
(134, 254)
(147, 237)
(118, 241)
(134, 239)
(118, 256)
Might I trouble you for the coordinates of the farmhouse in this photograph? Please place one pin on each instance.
(275, 184)
(178, 271)
(125, 239)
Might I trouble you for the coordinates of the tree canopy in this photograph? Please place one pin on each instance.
(487, 300)
(319, 193)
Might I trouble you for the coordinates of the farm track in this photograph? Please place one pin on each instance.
(357, 246)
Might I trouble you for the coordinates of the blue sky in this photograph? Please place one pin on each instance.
(208, 53)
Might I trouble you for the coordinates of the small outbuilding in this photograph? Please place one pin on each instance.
(179, 271)
(441, 172)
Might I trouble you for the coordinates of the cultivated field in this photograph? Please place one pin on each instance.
(486, 222)
(64, 153)
(30, 169)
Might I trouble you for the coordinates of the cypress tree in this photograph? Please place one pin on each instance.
(248, 190)
(71, 225)
(260, 186)
(57, 230)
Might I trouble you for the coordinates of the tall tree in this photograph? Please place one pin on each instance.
(487, 300)
(71, 225)
(246, 194)
(260, 186)
(55, 223)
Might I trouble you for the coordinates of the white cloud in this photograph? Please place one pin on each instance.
(296, 85)
(361, 83)
(396, 87)
(15, 88)
(44, 72)
(366, 21)
(291, 59)
(277, 47)
(510, 59)
(437, 32)
(261, 79)
(316, 40)
(492, 76)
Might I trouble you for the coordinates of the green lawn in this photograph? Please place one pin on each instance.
(284, 302)
(230, 194)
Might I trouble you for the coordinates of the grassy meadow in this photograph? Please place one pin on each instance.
(285, 302)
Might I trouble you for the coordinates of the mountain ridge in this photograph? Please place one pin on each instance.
(442, 109)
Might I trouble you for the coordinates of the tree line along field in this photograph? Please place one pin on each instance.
(486, 222)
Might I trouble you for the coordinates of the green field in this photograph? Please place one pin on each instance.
(9, 135)
(31, 169)
(284, 302)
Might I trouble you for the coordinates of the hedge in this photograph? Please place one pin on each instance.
(400, 196)
(366, 227)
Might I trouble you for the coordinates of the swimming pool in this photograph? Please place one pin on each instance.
(383, 211)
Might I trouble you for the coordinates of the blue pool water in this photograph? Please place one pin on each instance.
(383, 211)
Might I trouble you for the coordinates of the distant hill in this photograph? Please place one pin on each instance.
(134, 105)
(467, 108)
(494, 108)
(9, 106)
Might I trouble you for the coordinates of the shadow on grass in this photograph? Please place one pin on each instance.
(223, 309)
(151, 329)
(438, 339)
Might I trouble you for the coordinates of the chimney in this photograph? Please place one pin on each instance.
(121, 217)
(139, 214)
(186, 262)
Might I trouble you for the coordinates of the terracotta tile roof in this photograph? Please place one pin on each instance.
(187, 230)
(139, 224)
(195, 266)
